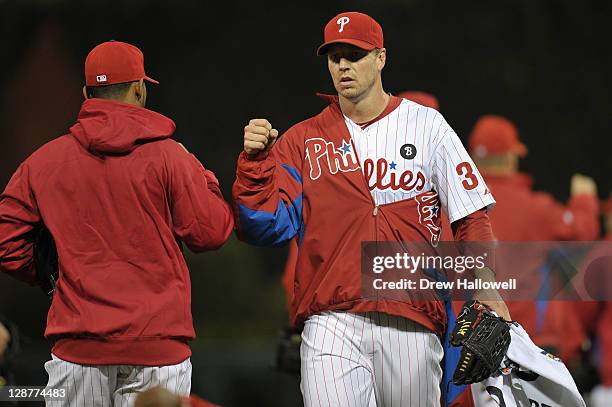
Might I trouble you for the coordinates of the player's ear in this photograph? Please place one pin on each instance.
(140, 91)
(381, 58)
(85, 92)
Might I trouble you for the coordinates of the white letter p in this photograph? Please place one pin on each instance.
(342, 21)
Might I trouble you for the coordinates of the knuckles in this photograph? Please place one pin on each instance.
(258, 134)
(260, 122)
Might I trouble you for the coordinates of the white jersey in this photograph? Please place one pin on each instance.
(413, 150)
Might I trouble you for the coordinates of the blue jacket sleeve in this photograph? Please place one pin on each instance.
(268, 194)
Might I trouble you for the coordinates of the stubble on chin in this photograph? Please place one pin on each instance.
(348, 93)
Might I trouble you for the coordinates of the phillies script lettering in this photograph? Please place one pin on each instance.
(375, 174)
(322, 154)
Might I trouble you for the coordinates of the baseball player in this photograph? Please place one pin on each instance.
(120, 197)
(525, 215)
(361, 170)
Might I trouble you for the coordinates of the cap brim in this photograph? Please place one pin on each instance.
(520, 149)
(358, 43)
(146, 78)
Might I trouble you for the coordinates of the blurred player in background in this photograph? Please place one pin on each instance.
(120, 198)
(319, 183)
(596, 316)
(522, 214)
(422, 98)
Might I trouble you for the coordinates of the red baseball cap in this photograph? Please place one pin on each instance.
(353, 28)
(495, 135)
(114, 62)
(422, 98)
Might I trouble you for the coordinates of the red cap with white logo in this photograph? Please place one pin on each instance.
(114, 62)
(353, 28)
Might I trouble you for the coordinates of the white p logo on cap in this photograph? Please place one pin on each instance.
(342, 21)
(101, 78)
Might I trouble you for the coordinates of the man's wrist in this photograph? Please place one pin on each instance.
(260, 156)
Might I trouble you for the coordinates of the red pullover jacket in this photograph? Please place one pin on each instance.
(331, 211)
(119, 196)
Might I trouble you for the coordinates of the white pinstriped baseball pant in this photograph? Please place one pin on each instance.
(347, 356)
(113, 385)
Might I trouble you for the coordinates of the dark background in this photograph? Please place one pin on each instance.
(544, 64)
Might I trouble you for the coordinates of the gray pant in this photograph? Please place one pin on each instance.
(113, 385)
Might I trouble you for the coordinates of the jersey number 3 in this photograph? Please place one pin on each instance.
(466, 171)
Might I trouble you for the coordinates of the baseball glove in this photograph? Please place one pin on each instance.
(485, 338)
(45, 261)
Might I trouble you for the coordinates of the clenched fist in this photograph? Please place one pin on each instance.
(259, 136)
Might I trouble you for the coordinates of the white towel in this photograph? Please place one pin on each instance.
(601, 396)
(530, 377)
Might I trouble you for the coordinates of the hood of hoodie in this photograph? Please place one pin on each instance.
(111, 127)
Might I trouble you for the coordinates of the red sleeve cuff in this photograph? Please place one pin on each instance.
(474, 227)
(258, 157)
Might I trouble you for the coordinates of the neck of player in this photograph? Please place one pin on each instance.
(367, 106)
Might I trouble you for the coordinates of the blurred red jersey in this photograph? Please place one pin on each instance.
(522, 214)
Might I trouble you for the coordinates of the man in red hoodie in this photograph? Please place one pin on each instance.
(120, 198)
(522, 214)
